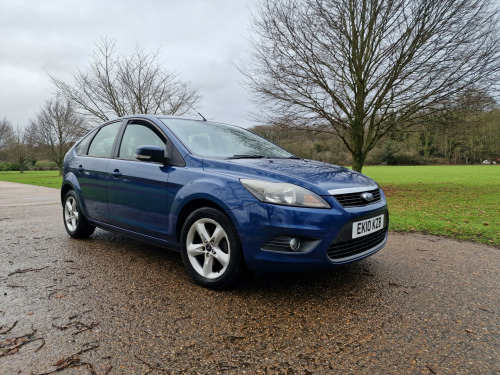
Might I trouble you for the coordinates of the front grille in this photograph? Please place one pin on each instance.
(351, 248)
(355, 199)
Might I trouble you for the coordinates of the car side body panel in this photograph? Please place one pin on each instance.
(137, 197)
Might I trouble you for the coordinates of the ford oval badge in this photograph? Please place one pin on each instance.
(367, 197)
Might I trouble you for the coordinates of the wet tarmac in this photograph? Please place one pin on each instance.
(112, 305)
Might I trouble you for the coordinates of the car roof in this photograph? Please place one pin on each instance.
(148, 116)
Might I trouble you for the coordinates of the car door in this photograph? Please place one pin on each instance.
(92, 173)
(137, 190)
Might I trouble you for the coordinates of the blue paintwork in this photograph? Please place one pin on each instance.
(137, 199)
(145, 201)
(93, 181)
(316, 176)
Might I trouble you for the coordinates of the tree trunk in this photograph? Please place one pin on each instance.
(358, 140)
(357, 162)
(59, 163)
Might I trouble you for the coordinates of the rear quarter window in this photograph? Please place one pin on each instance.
(82, 146)
(102, 144)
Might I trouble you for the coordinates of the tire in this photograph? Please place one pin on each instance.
(211, 249)
(75, 223)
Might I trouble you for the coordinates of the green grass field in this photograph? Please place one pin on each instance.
(40, 178)
(454, 201)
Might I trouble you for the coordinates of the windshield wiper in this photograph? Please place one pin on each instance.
(283, 157)
(246, 157)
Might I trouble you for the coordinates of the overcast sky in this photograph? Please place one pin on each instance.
(200, 39)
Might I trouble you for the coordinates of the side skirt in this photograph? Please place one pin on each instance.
(136, 236)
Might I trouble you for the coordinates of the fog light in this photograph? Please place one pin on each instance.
(294, 244)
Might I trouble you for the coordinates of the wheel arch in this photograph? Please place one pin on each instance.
(70, 182)
(64, 190)
(190, 207)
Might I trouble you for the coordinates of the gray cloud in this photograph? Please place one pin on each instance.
(199, 39)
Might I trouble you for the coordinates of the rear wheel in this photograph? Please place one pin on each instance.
(211, 249)
(75, 223)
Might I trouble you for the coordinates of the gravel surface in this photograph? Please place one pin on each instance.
(112, 305)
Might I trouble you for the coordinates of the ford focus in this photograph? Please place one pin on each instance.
(227, 199)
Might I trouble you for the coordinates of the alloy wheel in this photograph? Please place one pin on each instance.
(208, 248)
(71, 214)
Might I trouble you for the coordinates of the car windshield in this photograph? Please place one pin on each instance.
(208, 139)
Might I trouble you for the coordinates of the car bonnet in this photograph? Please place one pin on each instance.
(317, 176)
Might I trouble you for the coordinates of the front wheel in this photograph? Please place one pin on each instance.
(211, 249)
(75, 223)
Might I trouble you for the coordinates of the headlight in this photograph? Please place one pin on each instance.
(283, 193)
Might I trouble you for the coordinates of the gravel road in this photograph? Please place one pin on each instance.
(112, 305)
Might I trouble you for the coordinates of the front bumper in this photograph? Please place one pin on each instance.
(260, 222)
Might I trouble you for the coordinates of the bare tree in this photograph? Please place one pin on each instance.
(117, 85)
(19, 150)
(6, 133)
(55, 128)
(362, 68)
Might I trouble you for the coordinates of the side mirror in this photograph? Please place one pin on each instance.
(153, 154)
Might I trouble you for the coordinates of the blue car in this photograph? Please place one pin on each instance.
(227, 199)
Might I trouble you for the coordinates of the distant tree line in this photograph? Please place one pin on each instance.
(464, 132)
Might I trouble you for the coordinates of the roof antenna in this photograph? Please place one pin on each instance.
(204, 119)
(190, 106)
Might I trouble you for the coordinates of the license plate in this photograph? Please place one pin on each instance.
(364, 227)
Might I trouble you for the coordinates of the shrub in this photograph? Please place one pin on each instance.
(45, 165)
(7, 166)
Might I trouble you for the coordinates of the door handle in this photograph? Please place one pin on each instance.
(116, 173)
(80, 168)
